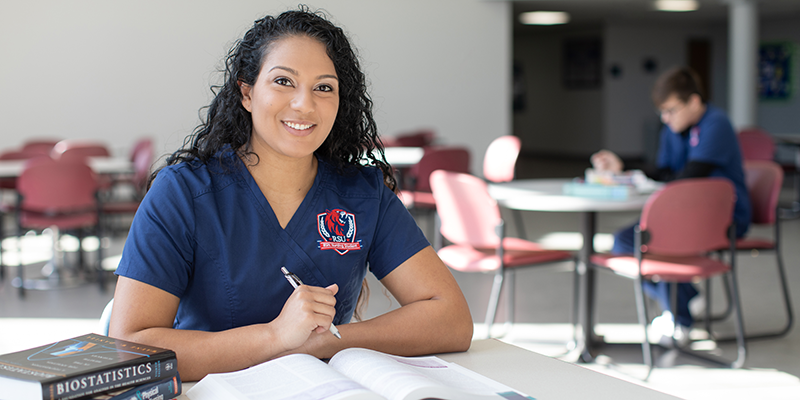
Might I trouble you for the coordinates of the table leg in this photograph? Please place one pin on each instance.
(586, 295)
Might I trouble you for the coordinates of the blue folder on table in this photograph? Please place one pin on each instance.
(598, 191)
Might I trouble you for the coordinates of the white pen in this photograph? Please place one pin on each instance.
(295, 281)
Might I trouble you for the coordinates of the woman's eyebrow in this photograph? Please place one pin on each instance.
(294, 72)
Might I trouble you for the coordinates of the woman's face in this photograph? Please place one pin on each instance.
(294, 100)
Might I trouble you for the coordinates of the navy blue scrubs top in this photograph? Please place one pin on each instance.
(711, 141)
(209, 237)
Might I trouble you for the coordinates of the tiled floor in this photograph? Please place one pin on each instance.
(543, 299)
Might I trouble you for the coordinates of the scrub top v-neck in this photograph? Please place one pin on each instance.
(206, 234)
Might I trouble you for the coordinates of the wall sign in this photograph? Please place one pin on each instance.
(775, 71)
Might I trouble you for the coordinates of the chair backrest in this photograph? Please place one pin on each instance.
(763, 180)
(689, 217)
(756, 144)
(448, 158)
(501, 158)
(420, 138)
(57, 186)
(79, 150)
(142, 158)
(39, 146)
(469, 215)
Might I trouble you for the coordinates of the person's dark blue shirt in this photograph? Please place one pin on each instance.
(712, 141)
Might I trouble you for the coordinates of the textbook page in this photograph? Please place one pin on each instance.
(290, 377)
(413, 378)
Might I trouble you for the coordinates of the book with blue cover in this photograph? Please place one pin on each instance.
(82, 366)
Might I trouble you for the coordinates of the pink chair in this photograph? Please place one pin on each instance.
(764, 180)
(470, 220)
(499, 164)
(680, 225)
(57, 193)
(756, 144)
(501, 158)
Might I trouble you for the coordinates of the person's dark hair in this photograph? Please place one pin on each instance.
(682, 82)
(354, 135)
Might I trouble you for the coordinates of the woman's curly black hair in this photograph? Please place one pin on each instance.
(354, 135)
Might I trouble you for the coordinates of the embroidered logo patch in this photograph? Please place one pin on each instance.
(694, 136)
(338, 230)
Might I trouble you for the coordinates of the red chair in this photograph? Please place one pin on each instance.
(756, 144)
(61, 194)
(471, 220)
(764, 180)
(499, 164)
(11, 183)
(435, 157)
(76, 149)
(142, 158)
(39, 146)
(420, 138)
(680, 225)
(79, 150)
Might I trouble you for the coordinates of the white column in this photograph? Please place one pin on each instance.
(743, 63)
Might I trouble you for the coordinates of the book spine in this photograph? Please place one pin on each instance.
(113, 378)
(164, 390)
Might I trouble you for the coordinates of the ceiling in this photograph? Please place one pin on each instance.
(596, 12)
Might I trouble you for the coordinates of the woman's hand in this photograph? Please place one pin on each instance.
(605, 160)
(308, 310)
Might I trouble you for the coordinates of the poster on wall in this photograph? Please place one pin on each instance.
(775, 71)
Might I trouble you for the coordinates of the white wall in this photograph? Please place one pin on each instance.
(120, 70)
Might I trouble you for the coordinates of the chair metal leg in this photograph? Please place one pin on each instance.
(787, 301)
(641, 311)
(738, 321)
(494, 299)
(719, 317)
(437, 234)
(520, 223)
(510, 288)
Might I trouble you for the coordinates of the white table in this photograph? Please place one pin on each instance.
(100, 165)
(539, 376)
(547, 195)
(403, 157)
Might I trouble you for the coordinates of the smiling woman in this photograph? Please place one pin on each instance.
(275, 178)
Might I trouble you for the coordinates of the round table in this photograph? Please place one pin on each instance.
(548, 195)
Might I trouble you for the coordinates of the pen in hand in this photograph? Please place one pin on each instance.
(295, 281)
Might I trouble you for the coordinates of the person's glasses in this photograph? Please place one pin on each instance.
(670, 111)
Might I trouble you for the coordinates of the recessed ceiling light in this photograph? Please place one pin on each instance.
(676, 5)
(544, 18)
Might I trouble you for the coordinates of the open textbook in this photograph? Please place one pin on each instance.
(352, 374)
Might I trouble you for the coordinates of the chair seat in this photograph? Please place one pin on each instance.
(754, 244)
(36, 220)
(518, 253)
(666, 268)
(121, 207)
(417, 199)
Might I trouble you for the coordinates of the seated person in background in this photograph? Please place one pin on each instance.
(273, 178)
(697, 140)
